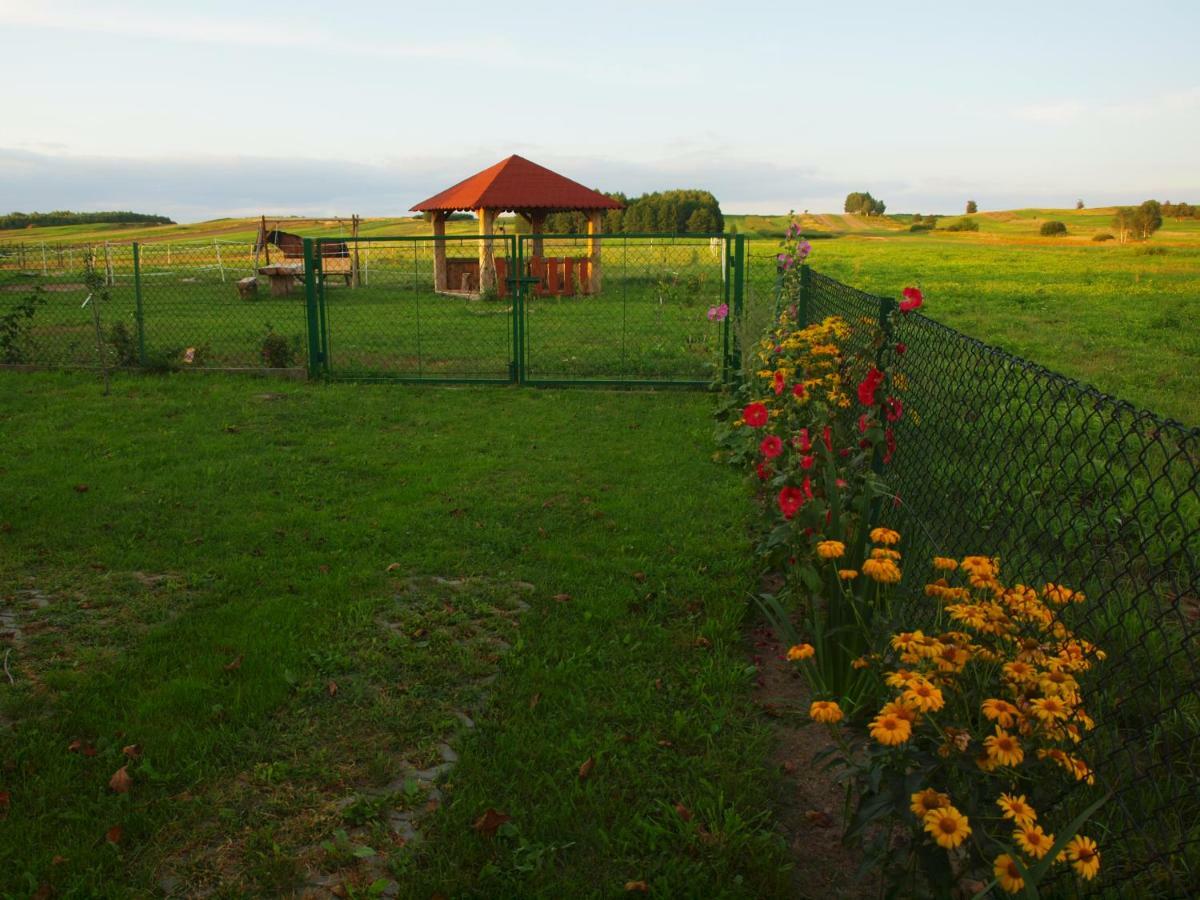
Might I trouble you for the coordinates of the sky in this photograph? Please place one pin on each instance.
(199, 110)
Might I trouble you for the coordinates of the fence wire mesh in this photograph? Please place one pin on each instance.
(161, 306)
(417, 308)
(1071, 486)
(622, 308)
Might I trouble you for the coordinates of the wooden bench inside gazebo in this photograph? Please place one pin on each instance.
(533, 192)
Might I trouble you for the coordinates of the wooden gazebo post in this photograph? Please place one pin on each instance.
(487, 254)
(439, 250)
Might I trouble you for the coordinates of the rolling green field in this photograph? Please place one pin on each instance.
(1119, 317)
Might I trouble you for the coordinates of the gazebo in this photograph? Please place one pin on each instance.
(531, 191)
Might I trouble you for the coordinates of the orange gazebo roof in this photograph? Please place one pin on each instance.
(517, 184)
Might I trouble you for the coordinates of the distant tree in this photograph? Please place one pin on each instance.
(65, 217)
(1079, 204)
(701, 221)
(861, 203)
(972, 207)
(1123, 223)
(1148, 218)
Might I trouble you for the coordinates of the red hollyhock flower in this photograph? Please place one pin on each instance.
(807, 486)
(862, 423)
(895, 409)
(790, 500)
(912, 300)
(763, 471)
(805, 442)
(798, 389)
(827, 437)
(844, 452)
(771, 446)
(779, 383)
(901, 348)
(806, 462)
(868, 386)
(889, 438)
(755, 414)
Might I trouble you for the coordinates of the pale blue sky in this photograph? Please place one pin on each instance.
(203, 109)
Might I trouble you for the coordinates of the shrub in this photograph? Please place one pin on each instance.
(278, 352)
(1052, 228)
(1102, 236)
(962, 225)
(15, 328)
(124, 346)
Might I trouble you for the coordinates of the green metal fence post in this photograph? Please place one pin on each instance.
(727, 249)
(518, 289)
(137, 300)
(311, 317)
(739, 295)
(805, 290)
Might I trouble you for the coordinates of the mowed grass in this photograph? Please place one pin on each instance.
(206, 568)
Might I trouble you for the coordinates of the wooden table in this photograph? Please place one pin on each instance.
(281, 278)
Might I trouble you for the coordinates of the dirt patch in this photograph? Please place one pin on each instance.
(54, 287)
(364, 755)
(809, 808)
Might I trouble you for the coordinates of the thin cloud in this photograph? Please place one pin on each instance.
(244, 32)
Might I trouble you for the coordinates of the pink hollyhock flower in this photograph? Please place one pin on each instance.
(912, 299)
(718, 313)
(771, 446)
(803, 250)
(755, 415)
(784, 260)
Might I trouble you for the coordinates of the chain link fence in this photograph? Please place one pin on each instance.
(1068, 485)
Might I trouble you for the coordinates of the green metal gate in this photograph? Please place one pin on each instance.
(565, 309)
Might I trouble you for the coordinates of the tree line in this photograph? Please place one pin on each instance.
(1137, 223)
(66, 217)
(667, 212)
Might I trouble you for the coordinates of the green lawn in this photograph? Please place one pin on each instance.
(242, 579)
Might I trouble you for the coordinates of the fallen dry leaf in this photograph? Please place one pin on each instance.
(58, 860)
(114, 834)
(562, 598)
(236, 663)
(81, 488)
(75, 746)
(666, 743)
(820, 818)
(490, 821)
(392, 567)
(639, 577)
(586, 769)
(5, 800)
(323, 569)
(121, 782)
(684, 812)
(640, 886)
(789, 767)
(331, 689)
(133, 751)
(44, 892)
(702, 641)
(535, 700)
